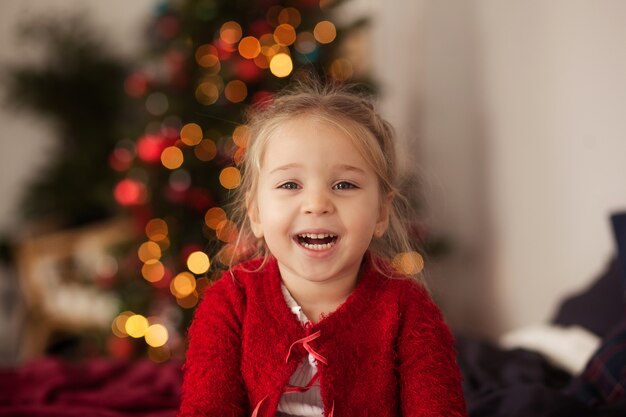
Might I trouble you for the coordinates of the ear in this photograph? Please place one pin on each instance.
(253, 216)
(383, 219)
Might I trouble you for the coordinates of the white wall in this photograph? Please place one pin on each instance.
(523, 116)
(555, 119)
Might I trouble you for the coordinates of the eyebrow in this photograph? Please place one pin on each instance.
(342, 167)
(285, 167)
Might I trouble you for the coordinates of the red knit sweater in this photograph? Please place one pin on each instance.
(387, 348)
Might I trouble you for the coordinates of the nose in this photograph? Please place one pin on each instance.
(317, 201)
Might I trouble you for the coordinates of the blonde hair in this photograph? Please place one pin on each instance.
(353, 113)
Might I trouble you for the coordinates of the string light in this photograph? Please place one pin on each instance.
(183, 285)
(153, 270)
(118, 327)
(281, 65)
(341, 69)
(291, 16)
(149, 147)
(191, 134)
(236, 91)
(409, 263)
(198, 262)
(240, 136)
(230, 178)
(325, 32)
(249, 47)
(305, 43)
(189, 301)
(262, 61)
(148, 251)
(284, 34)
(129, 192)
(156, 229)
(226, 231)
(136, 326)
(206, 150)
(230, 32)
(266, 40)
(156, 335)
(172, 157)
(207, 93)
(207, 56)
(214, 216)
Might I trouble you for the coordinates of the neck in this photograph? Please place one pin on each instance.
(319, 298)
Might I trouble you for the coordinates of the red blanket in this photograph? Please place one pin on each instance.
(99, 387)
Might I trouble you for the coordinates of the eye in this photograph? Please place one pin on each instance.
(290, 185)
(344, 185)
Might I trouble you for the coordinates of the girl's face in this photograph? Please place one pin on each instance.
(318, 202)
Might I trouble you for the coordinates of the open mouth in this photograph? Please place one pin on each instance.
(317, 241)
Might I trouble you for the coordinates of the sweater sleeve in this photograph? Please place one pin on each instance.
(213, 384)
(430, 380)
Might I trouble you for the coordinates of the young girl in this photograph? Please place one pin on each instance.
(318, 323)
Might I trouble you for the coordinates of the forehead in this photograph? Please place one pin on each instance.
(311, 138)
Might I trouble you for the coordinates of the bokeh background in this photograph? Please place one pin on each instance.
(510, 115)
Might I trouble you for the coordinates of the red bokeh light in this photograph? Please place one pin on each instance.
(149, 148)
(129, 192)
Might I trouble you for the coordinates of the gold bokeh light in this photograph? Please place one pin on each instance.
(230, 178)
(189, 301)
(153, 270)
(236, 91)
(118, 327)
(156, 229)
(183, 285)
(325, 32)
(206, 150)
(156, 335)
(281, 65)
(198, 262)
(214, 216)
(136, 326)
(172, 157)
(266, 39)
(230, 32)
(240, 136)
(409, 263)
(284, 34)
(249, 47)
(291, 16)
(262, 61)
(207, 56)
(148, 251)
(226, 231)
(191, 134)
(207, 93)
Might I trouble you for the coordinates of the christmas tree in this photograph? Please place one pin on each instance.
(177, 165)
(77, 86)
